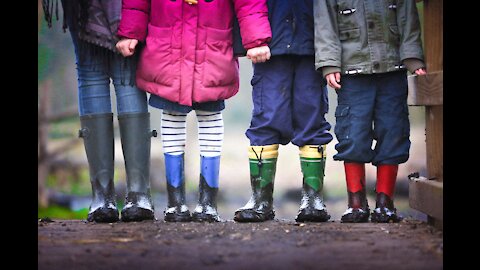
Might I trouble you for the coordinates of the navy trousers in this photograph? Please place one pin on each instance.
(290, 101)
(373, 107)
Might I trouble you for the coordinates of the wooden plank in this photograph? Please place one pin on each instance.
(433, 18)
(426, 89)
(433, 34)
(434, 141)
(426, 196)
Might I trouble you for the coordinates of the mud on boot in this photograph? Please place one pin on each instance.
(312, 161)
(384, 211)
(355, 215)
(97, 133)
(358, 210)
(135, 135)
(259, 208)
(104, 214)
(206, 209)
(176, 210)
(138, 207)
(263, 163)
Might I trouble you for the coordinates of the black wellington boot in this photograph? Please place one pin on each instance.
(97, 133)
(206, 209)
(136, 136)
(263, 165)
(177, 210)
(358, 210)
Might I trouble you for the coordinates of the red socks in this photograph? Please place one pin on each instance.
(386, 177)
(355, 176)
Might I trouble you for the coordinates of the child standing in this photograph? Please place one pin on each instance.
(187, 63)
(289, 105)
(93, 28)
(362, 48)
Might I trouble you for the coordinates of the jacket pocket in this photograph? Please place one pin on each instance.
(342, 124)
(220, 67)
(351, 46)
(347, 14)
(349, 34)
(156, 56)
(394, 35)
(257, 94)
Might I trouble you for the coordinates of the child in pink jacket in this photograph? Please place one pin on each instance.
(187, 63)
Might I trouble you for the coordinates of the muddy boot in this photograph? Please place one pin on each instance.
(384, 209)
(176, 210)
(358, 210)
(206, 209)
(97, 133)
(263, 164)
(312, 161)
(136, 136)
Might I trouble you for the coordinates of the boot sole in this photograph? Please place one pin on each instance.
(103, 215)
(382, 218)
(178, 217)
(201, 217)
(312, 215)
(137, 214)
(250, 215)
(355, 218)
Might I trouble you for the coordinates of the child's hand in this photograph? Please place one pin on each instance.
(420, 71)
(127, 46)
(333, 80)
(259, 54)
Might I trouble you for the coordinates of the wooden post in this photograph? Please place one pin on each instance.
(426, 194)
(433, 35)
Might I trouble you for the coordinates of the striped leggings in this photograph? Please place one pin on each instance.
(210, 132)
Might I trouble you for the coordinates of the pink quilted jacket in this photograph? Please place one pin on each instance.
(187, 54)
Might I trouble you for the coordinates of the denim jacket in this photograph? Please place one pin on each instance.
(367, 36)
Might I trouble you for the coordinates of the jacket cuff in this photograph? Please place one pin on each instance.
(329, 69)
(413, 64)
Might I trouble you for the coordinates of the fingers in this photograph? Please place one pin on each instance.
(126, 46)
(332, 80)
(132, 45)
(420, 71)
(259, 54)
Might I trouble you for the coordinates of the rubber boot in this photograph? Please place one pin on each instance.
(97, 133)
(206, 209)
(385, 211)
(136, 136)
(358, 210)
(263, 165)
(176, 210)
(312, 161)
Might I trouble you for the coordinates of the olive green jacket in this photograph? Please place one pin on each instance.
(367, 36)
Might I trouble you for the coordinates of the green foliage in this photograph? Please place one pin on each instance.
(66, 128)
(44, 61)
(69, 184)
(59, 212)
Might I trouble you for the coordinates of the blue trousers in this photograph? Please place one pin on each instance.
(290, 101)
(373, 107)
(94, 77)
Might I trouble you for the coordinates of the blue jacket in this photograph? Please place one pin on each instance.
(291, 22)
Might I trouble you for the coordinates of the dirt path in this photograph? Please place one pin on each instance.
(279, 244)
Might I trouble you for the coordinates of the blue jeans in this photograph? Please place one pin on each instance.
(94, 76)
(290, 101)
(373, 107)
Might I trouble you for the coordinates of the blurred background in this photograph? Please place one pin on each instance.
(63, 180)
